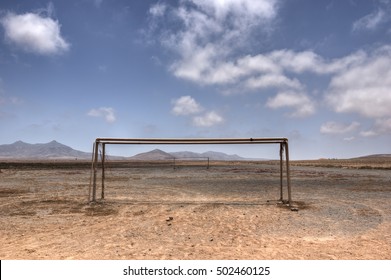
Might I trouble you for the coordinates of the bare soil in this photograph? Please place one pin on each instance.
(228, 211)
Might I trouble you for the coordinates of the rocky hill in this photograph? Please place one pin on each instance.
(374, 156)
(153, 155)
(53, 149)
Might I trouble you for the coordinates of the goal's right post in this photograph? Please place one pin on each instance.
(281, 172)
(288, 176)
(103, 169)
(284, 147)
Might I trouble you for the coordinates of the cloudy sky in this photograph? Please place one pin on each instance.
(317, 72)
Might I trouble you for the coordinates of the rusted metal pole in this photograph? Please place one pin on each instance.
(167, 141)
(281, 171)
(288, 176)
(95, 171)
(92, 172)
(103, 170)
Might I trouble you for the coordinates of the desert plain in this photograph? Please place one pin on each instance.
(229, 211)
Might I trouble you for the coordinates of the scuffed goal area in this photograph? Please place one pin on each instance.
(192, 182)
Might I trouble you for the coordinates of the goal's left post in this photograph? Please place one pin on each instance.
(94, 170)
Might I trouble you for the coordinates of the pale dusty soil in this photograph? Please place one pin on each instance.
(195, 213)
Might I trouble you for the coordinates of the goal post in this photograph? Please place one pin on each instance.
(102, 142)
(179, 159)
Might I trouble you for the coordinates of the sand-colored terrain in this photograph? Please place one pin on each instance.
(194, 213)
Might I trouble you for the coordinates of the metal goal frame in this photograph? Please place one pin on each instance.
(283, 142)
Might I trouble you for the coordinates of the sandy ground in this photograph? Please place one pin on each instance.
(195, 213)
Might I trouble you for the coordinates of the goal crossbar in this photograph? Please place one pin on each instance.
(283, 142)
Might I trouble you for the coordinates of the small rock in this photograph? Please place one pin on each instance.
(169, 219)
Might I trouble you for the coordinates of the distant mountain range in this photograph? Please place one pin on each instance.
(49, 150)
(161, 155)
(56, 150)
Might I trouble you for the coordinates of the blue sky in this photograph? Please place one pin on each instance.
(317, 72)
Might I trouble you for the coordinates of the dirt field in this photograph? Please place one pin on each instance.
(194, 213)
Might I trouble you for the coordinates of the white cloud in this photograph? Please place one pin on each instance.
(197, 66)
(261, 63)
(226, 18)
(296, 61)
(185, 105)
(107, 113)
(207, 120)
(253, 72)
(308, 61)
(158, 9)
(303, 106)
(272, 80)
(268, 70)
(364, 88)
(34, 33)
(370, 21)
(263, 9)
(338, 128)
(208, 32)
(368, 133)
(349, 139)
(208, 36)
(381, 126)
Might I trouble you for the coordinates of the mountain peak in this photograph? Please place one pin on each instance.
(54, 143)
(155, 154)
(157, 151)
(19, 142)
(53, 149)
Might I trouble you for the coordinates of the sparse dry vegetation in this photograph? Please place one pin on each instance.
(359, 163)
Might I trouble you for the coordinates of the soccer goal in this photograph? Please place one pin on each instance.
(99, 156)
